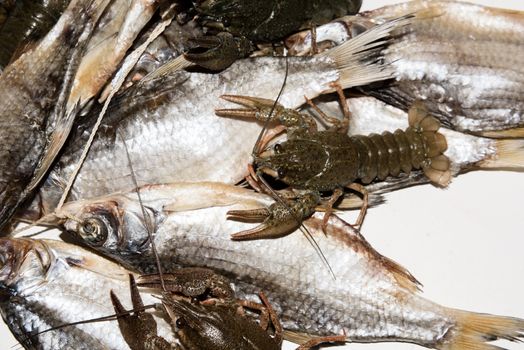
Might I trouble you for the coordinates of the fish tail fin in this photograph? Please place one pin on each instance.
(360, 60)
(517, 132)
(474, 331)
(438, 168)
(509, 154)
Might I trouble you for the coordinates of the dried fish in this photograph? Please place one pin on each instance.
(47, 283)
(372, 299)
(33, 116)
(466, 64)
(25, 22)
(169, 126)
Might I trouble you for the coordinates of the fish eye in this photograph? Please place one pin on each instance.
(281, 173)
(93, 230)
(278, 148)
(180, 323)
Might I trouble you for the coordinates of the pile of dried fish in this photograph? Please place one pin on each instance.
(135, 149)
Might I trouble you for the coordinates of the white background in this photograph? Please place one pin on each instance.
(465, 243)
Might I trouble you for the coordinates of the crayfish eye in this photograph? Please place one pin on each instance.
(93, 230)
(278, 148)
(180, 323)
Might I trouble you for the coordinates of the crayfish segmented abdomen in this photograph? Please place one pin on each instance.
(420, 146)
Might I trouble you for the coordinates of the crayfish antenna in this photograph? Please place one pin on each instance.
(147, 222)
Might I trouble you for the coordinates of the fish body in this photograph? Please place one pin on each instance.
(46, 283)
(32, 112)
(25, 23)
(167, 122)
(372, 298)
(465, 64)
(368, 115)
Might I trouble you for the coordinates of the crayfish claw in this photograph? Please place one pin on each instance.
(221, 51)
(138, 326)
(248, 215)
(279, 220)
(236, 113)
(256, 107)
(267, 230)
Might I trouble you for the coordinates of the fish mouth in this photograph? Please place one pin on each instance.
(12, 252)
(19, 255)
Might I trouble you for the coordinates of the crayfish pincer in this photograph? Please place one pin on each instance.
(312, 162)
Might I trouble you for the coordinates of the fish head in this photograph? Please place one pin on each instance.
(116, 225)
(24, 264)
(27, 264)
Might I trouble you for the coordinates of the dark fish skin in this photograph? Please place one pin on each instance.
(30, 109)
(466, 64)
(26, 23)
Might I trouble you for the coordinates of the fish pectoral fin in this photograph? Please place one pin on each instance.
(57, 140)
(348, 235)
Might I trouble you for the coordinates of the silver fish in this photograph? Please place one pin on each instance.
(170, 128)
(46, 283)
(369, 115)
(465, 62)
(373, 299)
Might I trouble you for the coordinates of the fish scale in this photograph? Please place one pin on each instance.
(60, 283)
(466, 64)
(371, 299)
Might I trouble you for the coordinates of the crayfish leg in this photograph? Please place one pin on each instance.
(337, 193)
(365, 198)
(341, 126)
(313, 343)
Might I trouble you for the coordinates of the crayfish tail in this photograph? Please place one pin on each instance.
(436, 166)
